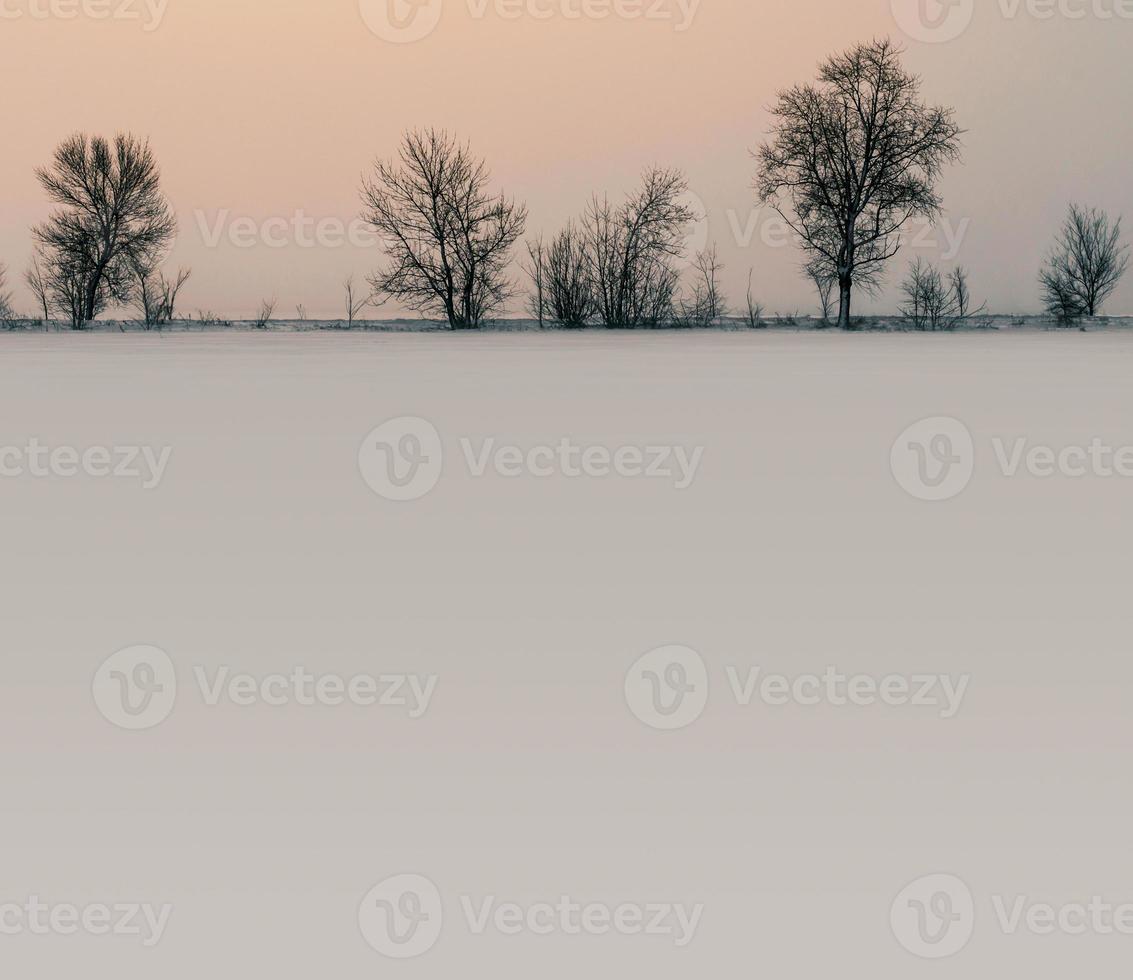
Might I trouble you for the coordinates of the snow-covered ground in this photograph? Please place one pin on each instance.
(771, 321)
(579, 500)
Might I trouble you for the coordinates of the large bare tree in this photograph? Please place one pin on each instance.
(1085, 265)
(631, 250)
(447, 238)
(854, 158)
(113, 223)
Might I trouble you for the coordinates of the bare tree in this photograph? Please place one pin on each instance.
(447, 239)
(62, 275)
(536, 269)
(961, 294)
(631, 250)
(37, 281)
(706, 304)
(156, 296)
(1060, 298)
(6, 314)
(112, 220)
(355, 301)
(561, 277)
(825, 277)
(570, 283)
(755, 310)
(855, 157)
(1085, 265)
(933, 302)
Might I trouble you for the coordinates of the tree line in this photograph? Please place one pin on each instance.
(850, 160)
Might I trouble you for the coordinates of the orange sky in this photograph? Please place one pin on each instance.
(265, 114)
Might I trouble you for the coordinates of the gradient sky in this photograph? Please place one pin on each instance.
(268, 111)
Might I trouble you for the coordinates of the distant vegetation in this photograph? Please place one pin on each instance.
(851, 159)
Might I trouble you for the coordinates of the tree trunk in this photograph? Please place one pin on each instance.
(844, 289)
(90, 295)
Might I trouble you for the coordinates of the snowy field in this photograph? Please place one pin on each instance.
(402, 586)
(770, 321)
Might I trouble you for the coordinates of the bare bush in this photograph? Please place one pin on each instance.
(753, 316)
(1085, 266)
(631, 250)
(37, 281)
(60, 275)
(6, 313)
(825, 278)
(447, 239)
(264, 315)
(356, 302)
(706, 305)
(112, 221)
(853, 159)
(536, 269)
(156, 296)
(961, 294)
(560, 273)
(934, 302)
